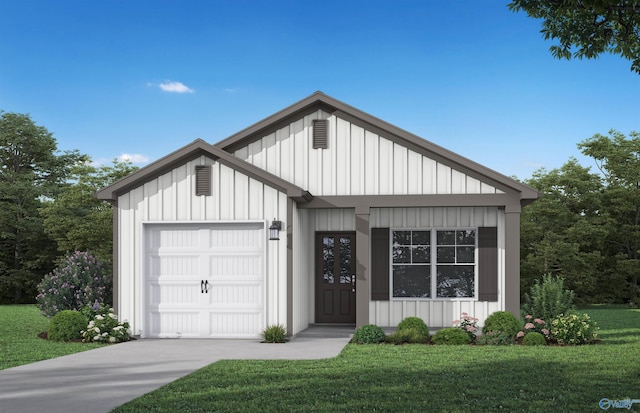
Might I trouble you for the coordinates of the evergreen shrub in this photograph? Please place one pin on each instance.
(368, 334)
(67, 325)
(533, 338)
(415, 323)
(502, 321)
(451, 336)
(495, 338)
(407, 335)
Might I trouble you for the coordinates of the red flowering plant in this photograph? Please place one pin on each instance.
(533, 324)
(468, 324)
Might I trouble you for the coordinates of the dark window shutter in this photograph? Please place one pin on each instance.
(380, 264)
(488, 263)
(320, 134)
(203, 180)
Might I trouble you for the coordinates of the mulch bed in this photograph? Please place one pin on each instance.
(45, 336)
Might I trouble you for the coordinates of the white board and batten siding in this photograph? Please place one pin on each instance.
(170, 200)
(356, 162)
(361, 162)
(438, 312)
(306, 223)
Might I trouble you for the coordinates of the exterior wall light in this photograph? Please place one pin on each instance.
(274, 230)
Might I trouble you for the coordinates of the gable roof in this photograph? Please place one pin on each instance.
(222, 151)
(192, 151)
(320, 101)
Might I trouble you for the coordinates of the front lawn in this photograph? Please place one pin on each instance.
(19, 341)
(422, 378)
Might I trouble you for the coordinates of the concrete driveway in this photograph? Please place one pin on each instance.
(99, 380)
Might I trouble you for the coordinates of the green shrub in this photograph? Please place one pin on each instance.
(574, 329)
(407, 336)
(80, 280)
(451, 335)
(495, 338)
(104, 327)
(67, 325)
(274, 334)
(548, 299)
(368, 334)
(533, 338)
(415, 323)
(502, 321)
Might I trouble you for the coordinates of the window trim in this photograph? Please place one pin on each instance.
(434, 264)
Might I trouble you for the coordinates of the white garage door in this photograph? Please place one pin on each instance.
(205, 280)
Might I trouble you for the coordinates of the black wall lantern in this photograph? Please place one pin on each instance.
(274, 230)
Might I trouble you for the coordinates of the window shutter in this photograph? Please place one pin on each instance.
(203, 180)
(488, 263)
(320, 133)
(380, 264)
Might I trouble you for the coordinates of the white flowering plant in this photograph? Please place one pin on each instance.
(105, 328)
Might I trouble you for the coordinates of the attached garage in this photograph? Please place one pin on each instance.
(205, 280)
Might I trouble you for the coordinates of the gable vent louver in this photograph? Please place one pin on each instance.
(320, 133)
(203, 180)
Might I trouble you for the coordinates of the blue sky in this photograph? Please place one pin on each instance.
(144, 78)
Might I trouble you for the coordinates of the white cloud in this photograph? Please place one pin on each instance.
(175, 87)
(134, 158)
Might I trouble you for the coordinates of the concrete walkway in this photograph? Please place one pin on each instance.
(99, 380)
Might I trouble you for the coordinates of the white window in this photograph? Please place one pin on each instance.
(430, 263)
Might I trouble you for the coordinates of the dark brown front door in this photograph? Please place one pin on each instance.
(335, 277)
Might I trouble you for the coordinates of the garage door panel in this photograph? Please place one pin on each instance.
(239, 324)
(236, 267)
(171, 266)
(244, 295)
(175, 324)
(237, 236)
(173, 294)
(230, 257)
(173, 237)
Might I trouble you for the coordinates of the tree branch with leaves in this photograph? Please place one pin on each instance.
(588, 28)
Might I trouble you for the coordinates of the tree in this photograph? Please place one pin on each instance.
(75, 219)
(588, 28)
(618, 158)
(30, 170)
(564, 231)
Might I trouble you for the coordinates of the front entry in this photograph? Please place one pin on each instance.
(335, 277)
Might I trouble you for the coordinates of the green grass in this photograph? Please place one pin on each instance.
(422, 378)
(19, 341)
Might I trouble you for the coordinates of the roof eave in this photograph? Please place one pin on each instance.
(191, 151)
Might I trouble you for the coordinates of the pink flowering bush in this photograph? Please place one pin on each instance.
(80, 280)
(469, 325)
(536, 325)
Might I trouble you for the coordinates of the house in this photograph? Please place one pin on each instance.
(376, 224)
